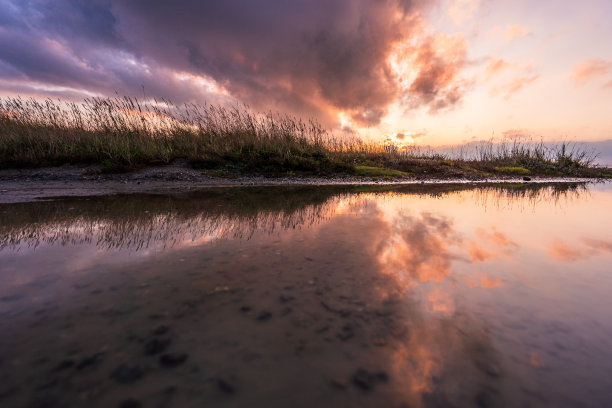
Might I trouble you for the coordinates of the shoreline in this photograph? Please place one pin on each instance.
(23, 185)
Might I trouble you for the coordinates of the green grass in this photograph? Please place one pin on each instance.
(513, 170)
(369, 171)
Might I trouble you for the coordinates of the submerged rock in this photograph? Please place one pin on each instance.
(225, 386)
(156, 346)
(263, 316)
(171, 360)
(130, 403)
(91, 361)
(163, 329)
(127, 373)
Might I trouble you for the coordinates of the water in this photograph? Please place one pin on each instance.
(428, 296)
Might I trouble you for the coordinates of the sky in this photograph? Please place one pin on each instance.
(430, 72)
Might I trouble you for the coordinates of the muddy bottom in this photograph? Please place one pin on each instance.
(309, 297)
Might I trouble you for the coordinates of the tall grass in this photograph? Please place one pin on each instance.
(124, 133)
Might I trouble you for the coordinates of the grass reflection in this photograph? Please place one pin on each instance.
(139, 221)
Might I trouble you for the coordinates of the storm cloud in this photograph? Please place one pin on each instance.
(311, 58)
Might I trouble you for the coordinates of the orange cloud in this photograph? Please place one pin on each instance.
(587, 70)
(430, 71)
(509, 33)
(461, 11)
(419, 251)
(478, 253)
(490, 282)
(516, 31)
(507, 86)
(598, 244)
(513, 86)
(564, 253)
(496, 66)
(496, 238)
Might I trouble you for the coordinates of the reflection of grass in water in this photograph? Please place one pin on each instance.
(142, 220)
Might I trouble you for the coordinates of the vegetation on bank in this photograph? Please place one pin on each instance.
(123, 134)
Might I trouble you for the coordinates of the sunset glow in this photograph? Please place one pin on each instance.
(427, 72)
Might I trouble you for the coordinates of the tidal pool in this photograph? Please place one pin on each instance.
(414, 296)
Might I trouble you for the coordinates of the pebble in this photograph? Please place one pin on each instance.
(171, 360)
(90, 361)
(225, 386)
(127, 373)
(64, 365)
(156, 346)
(263, 316)
(163, 329)
(130, 403)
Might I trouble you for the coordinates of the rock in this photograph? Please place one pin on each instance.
(170, 390)
(338, 384)
(156, 346)
(263, 316)
(90, 361)
(127, 373)
(130, 403)
(64, 365)
(225, 386)
(171, 360)
(163, 329)
(366, 380)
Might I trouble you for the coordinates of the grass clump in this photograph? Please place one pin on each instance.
(513, 170)
(370, 171)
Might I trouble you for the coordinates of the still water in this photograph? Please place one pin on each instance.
(416, 296)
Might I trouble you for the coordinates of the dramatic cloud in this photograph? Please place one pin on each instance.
(431, 71)
(585, 71)
(312, 58)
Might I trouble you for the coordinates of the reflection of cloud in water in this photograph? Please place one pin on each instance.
(493, 244)
(580, 251)
(418, 249)
(346, 285)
